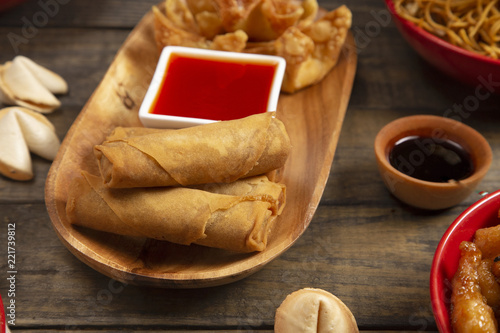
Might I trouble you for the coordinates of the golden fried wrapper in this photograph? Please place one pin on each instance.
(167, 33)
(236, 217)
(311, 52)
(218, 152)
(265, 20)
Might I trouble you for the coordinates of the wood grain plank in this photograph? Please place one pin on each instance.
(120, 14)
(158, 330)
(41, 14)
(354, 178)
(82, 56)
(362, 244)
(376, 260)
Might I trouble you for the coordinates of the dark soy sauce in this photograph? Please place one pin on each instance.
(431, 159)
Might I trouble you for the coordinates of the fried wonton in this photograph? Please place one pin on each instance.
(293, 29)
(311, 52)
(167, 33)
(265, 20)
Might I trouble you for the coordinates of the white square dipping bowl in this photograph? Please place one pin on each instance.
(269, 90)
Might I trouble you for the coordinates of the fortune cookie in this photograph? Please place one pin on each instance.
(311, 310)
(22, 131)
(25, 83)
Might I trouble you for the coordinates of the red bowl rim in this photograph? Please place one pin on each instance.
(435, 39)
(9, 4)
(439, 309)
(3, 321)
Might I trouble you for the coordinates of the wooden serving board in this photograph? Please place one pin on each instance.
(313, 118)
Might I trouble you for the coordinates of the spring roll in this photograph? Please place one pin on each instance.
(180, 215)
(220, 152)
(120, 133)
(256, 188)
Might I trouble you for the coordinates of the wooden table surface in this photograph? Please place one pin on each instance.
(362, 245)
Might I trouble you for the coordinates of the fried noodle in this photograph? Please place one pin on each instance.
(473, 25)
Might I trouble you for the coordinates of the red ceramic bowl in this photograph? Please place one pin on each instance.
(8, 4)
(463, 65)
(484, 213)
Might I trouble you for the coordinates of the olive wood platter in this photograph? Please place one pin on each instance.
(313, 118)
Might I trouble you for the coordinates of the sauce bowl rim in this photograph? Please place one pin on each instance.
(149, 119)
(383, 146)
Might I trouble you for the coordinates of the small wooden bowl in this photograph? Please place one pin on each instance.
(425, 194)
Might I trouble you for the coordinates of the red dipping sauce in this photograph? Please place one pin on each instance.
(213, 89)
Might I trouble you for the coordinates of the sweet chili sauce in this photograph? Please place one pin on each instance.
(431, 159)
(213, 89)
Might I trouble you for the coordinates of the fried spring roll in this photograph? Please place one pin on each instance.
(120, 133)
(220, 152)
(256, 188)
(181, 215)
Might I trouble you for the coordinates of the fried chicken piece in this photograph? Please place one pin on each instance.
(470, 312)
(490, 288)
(488, 241)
